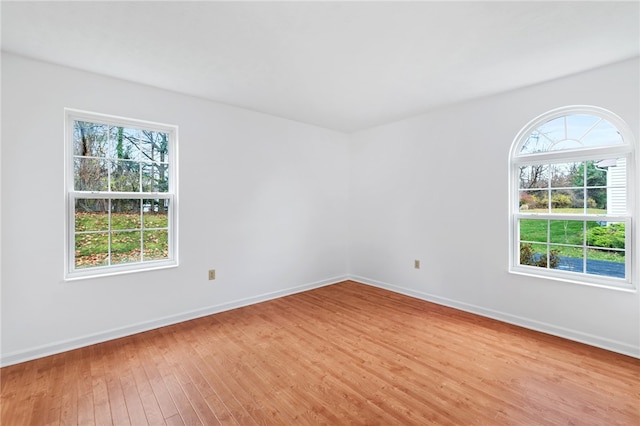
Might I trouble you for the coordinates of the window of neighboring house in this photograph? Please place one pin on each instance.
(571, 189)
(121, 195)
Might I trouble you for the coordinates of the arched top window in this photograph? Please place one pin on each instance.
(575, 131)
(569, 129)
(571, 179)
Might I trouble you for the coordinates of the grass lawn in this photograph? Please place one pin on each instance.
(567, 211)
(129, 241)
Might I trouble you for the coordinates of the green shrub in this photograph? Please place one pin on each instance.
(560, 200)
(609, 236)
(542, 200)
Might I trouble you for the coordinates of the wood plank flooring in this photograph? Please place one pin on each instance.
(342, 354)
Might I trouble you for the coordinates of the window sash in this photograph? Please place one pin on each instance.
(582, 277)
(111, 268)
(119, 195)
(584, 154)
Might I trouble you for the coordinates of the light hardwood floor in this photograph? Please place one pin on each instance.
(342, 354)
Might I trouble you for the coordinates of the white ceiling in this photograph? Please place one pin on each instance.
(340, 65)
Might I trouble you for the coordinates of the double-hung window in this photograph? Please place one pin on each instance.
(572, 197)
(121, 194)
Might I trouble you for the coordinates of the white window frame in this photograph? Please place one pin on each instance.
(71, 195)
(516, 160)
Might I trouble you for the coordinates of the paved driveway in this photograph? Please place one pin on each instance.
(595, 267)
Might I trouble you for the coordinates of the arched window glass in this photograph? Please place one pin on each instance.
(571, 209)
(570, 132)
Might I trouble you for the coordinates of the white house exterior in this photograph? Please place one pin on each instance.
(616, 187)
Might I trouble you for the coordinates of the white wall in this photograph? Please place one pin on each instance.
(277, 207)
(434, 188)
(263, 200)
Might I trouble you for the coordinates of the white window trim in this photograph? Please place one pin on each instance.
(632, 235)
(71, 195)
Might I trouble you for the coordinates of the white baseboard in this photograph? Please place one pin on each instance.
(79, 342)
(578, 336)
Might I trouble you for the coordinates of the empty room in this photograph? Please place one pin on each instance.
(292, 213)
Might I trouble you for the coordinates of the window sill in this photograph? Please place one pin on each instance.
(620, 285)
(112, 271)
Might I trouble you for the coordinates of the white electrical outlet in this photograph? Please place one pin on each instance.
(212, 274)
